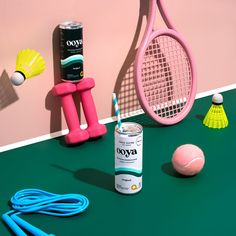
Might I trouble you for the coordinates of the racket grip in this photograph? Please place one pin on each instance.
(65, 91)
(94, 128)
(30, 228)
(12, 225)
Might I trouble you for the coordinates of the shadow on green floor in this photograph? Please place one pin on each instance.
(92, 176)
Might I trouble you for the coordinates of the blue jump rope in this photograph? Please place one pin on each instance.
(39, 201)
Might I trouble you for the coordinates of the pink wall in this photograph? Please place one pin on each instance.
(30, 110)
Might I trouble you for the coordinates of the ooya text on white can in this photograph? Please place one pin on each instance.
(128, 158)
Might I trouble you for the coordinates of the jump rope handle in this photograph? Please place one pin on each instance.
(12, 225)
(30, 228)
(14, 222)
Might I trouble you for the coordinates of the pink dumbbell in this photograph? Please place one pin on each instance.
(76, 134)
(94, 128)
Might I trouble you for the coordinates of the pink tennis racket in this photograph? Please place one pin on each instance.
(165, 74)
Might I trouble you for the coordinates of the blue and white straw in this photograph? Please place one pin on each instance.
(117, 111)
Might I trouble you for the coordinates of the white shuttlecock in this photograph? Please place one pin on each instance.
(216, 116)
(29, 63)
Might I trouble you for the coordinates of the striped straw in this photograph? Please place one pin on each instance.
(119, 123)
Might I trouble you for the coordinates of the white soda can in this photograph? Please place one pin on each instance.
(128, 158)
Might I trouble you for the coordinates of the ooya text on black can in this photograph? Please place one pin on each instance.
(71, 51)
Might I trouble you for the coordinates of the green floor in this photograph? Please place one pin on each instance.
(168, 203)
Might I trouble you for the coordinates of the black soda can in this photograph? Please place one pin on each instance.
(71, 51)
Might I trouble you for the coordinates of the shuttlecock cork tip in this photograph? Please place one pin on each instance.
(217, 98)
(17, 78)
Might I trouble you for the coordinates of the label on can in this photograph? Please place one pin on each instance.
(71, 45)
(128, 158)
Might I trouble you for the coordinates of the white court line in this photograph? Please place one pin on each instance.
(104, 121)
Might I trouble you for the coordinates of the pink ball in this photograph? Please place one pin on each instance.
(188, 159)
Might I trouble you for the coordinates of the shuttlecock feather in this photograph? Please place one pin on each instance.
(216, 116)
(29, 63)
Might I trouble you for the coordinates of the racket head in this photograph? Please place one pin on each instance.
(165, 77)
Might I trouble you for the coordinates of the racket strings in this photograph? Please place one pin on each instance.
(166, 76)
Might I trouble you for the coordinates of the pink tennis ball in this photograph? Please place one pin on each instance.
(188, 159)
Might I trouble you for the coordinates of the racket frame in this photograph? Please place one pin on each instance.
(148, 37)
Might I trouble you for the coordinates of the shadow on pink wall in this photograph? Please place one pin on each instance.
(124, 87)
(8, 94)
(52, 103)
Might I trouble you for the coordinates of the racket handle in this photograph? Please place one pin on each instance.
(12, 225)
(94, 128)
(76, 134)
(28, 227)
